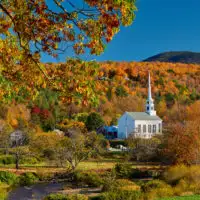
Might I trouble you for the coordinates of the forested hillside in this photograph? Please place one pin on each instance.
(125, 86)
(110, 89)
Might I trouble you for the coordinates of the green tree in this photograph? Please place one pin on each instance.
(81, 117)
(121, 92)
(68, 151)
(94, 121)
(114, 120)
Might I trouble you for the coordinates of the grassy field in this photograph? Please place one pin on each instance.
(193, 197)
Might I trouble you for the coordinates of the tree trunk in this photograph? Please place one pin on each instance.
(16, 161)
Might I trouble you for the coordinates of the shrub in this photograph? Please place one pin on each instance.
(181, 187)
(125, 184)
(91, 179)
(193, 174)
(174, 174)
(121, 195)
(3, 191)
(110, 183)
(7, 159)
(28, 178)
(154, 184)
(66, 197)
(160, 193)
(123, 170)
(185, 186)
(8, 177)
(185, 179)
(27, 160)
(43, 175)
(156, 189)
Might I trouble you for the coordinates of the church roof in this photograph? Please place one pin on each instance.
(143, 116)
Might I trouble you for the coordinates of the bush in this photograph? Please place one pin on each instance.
(8, 177)
(123, 170)
(156, 189)
(185, 186)
(184, 179)
(110, 183)
(3, 191)
(154, 184)
(28, 178)
(7, 159)
(121, 195)
(159, 193)
(30, 161)
(174, 174)
(66, 197)
(125, 184)
(91, 179)
(44, 175)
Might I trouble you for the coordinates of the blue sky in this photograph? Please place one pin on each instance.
(160, 25)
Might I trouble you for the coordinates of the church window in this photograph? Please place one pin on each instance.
(148, 108)
(144, 128)
(151, 107)
(149, 128)
(139, 128)
(154, 128)
(159, 128)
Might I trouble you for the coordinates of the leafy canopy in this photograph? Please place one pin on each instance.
(29, 28)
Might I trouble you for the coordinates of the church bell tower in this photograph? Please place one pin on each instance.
(150, 102)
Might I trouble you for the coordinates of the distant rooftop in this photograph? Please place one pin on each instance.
(143, 116)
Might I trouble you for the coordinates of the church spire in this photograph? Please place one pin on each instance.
(149, 87)
(149, 103)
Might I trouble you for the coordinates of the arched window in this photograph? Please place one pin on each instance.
(144, 128)
(139, 128)
(149, 128)
(154, 128)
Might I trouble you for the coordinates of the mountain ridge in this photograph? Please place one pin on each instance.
(176, 57)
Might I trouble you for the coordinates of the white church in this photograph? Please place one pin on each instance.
(141, 124)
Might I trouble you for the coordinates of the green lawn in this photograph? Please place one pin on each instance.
(193, 197)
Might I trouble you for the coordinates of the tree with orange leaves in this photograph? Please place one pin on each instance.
(29, 28)
(183, 143)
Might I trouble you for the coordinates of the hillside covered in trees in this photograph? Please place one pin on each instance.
(110, 89)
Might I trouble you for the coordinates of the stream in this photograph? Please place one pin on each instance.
(40, 190)
(35, 192)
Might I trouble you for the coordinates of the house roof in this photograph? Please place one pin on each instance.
(143, 116)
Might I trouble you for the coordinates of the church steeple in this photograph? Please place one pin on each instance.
(149, 103)
(149, 87)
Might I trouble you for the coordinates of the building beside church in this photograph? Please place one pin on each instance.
(141, 124)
